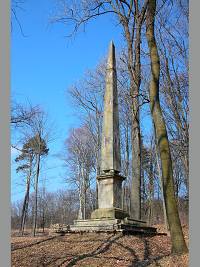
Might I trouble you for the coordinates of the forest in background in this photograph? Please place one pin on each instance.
(139, 147)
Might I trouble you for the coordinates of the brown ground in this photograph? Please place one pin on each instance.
(94, 250)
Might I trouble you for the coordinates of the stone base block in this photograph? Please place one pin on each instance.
(95, 225)
(131, 221)
(109, 225)
(112, 213)
(126, 225)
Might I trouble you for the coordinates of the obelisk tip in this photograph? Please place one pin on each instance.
(112, 43)
(112, 46)
(111, 55)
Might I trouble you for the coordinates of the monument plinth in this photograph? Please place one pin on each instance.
(109, 197)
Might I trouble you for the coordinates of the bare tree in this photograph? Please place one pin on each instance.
(16, 6)
(172, 39)
(81, 162)
(31, 134)
(60, 206)
(16, 209)
(22, 115)
(39, 144)
(178, 242)
(88, 95)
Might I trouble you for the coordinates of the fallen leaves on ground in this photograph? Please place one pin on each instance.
(95, 250)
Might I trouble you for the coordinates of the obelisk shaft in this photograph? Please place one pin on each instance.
(110, 180)
(110, 147)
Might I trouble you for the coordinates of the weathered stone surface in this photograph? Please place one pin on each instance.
(94, 225)
(110, 146)
(110, 190)
(109, 213)
(110, 181)
(131, 221)
(125, 225)
(122, 225)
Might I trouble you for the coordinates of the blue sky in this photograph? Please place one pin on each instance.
(44, 64)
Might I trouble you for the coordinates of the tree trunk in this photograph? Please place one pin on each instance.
(151, 189)
(84, 205)
(36, 195)
(177, 239)
(162, 193)
(126, 171)
(43, 219)
(98, 153)
(24, 207)
(26, 210)
(136, 174)
(80, 213)
(186, 166)
(26, 200)
(135, 79)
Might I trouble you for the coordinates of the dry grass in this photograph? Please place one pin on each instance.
(94, 250)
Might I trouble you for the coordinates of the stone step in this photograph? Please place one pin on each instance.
(105, 225)
(96, 222)
(138, 229)
(111, 225)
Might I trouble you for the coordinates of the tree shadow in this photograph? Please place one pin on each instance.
(80, 241)
(148, 258)
(100, 249)
(33, 244)
(71, 259)
(104, 247)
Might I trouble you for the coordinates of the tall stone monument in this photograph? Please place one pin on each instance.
(110, 215)
(110, 180)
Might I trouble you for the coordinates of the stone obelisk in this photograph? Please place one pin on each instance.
(110, 180)
(110, 216)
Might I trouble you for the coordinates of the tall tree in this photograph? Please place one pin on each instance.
(32, 150)
(27, 156)
(40, 149)
(178, 242)
(172, 41)
(81, 162)
(40, 136)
